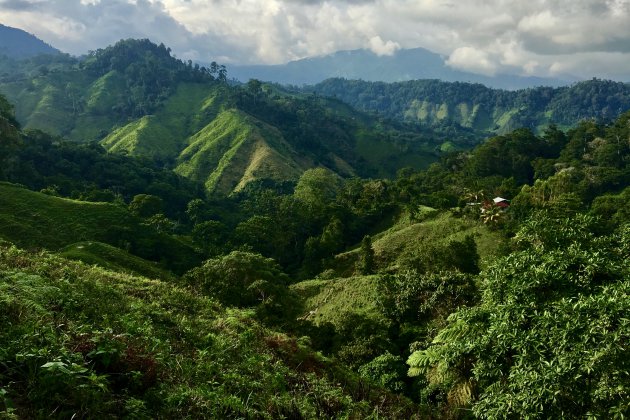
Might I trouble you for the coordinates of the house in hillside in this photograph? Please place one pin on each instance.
(501, 202)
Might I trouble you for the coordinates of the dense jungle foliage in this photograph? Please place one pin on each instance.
(436, 103)
(128, 289)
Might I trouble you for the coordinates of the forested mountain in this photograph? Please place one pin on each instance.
(404, 64)
(237, 252)
(16, 43)
(434, 102)
(136, 99)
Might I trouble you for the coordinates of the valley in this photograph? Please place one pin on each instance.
(174, 244)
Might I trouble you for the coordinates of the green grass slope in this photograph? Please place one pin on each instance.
(84, 342)
(164, 134)
(112, 258)
(236, 148)
(409, 239)
(68, 103)
(330, 301)
(35, 220)
(147, 136)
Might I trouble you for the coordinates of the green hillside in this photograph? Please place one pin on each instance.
(317, 292)
(235, 149)
(405, 244)
(114, 259)
(331, 301)
(137, 100)
(164, 134)
(488, 111)
(86, 342)
(35, 220)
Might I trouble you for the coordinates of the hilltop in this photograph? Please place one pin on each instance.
(16, 43)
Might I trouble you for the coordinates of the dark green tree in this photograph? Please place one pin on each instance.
(239, 278)
(366, 263)
(146, 205)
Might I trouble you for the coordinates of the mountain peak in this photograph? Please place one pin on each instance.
(364, 64)
(16, 43)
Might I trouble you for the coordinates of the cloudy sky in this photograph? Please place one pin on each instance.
(584, 38)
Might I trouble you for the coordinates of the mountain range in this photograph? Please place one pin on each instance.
(403, 65)
(135, 98)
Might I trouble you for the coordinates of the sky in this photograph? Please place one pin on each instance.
(548, 38)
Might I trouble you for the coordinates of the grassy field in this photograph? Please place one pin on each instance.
(35, 220)
(331, 300)
(114, 259)
(408, 238)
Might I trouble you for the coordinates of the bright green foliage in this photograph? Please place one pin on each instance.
(420, 298)
(550, 336)
(316, 188)
(387, 370)
(85, 342)
(614, 209)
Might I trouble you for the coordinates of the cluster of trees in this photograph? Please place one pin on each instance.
(599, 99)
(150, 72)
(87, 172)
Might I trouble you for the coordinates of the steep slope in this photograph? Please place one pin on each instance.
(16, 43)
(163, 135)
(35, 220)
(84, 341)
(236, 148)
(85, 99)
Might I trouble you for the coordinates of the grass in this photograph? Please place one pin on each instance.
(35, 220)
(114, 259)
(165, 134)
(87, 342)
(106, 92)
(234, 149)
(330, 300)
(148, 136)
(408, 239)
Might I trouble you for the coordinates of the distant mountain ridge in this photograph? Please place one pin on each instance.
(405, 64)
(477, 107)
(16, 43)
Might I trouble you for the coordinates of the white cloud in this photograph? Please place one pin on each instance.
(379, 47)
(541, 37)
(473, 60)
